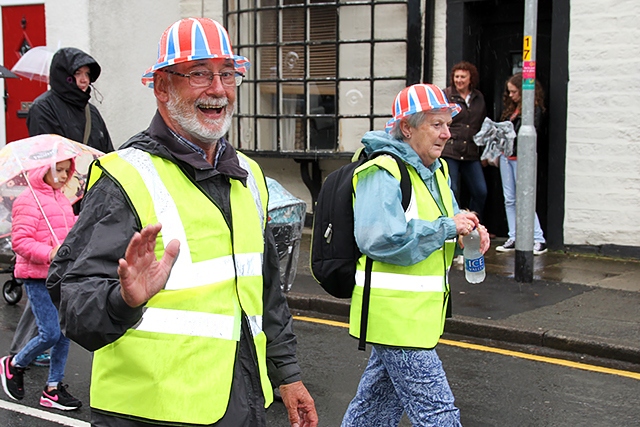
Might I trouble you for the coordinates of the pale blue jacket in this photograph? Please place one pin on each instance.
(381, 230)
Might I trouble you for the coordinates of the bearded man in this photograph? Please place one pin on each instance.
(171, 275)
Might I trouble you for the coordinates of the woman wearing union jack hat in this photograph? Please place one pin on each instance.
(412, 251)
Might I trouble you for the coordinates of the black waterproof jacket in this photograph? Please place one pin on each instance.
(517, 122)
(61, 110)
(93, 313)
(464, 125)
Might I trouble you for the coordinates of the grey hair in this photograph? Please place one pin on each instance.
(414, 120)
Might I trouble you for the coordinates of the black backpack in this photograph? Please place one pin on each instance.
(334, 252)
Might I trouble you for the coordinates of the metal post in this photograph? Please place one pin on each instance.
(526, 178)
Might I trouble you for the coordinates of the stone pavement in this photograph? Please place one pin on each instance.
(578, 303)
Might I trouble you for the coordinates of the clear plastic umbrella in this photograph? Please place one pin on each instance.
(42, 150)
(286, 221)
(34, 64)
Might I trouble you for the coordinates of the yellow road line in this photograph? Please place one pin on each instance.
(322, 321)
(477, 347)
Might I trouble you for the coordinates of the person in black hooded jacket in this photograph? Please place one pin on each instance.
(62, 109)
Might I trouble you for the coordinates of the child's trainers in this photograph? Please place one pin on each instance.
(12, 379)
(43, 360)
(59, 398)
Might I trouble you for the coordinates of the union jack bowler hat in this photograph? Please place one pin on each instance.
(192, 39)
(419, 97)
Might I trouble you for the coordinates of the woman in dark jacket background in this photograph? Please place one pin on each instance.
(62, 109)
(461, 152)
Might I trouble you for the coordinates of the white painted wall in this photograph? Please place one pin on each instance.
(440, 72)
(202, 8)
(123, 37)
(67, 25)
(603, 131)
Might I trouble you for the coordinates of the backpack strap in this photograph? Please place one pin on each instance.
(405, 188)
(364, 312)
(405, 182)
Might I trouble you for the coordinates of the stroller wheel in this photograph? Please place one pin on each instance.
(12, 292)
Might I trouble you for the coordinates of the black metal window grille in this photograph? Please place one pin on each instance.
(322, 74)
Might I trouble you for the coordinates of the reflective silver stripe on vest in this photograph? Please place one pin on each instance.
(214, 271)
(253, 186)
(185, 273)
(167, 213)
(412, 209)
(192, 323)
(402, 282)
(255, 322)
(249, 264)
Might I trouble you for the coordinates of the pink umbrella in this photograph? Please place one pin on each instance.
(42, 150)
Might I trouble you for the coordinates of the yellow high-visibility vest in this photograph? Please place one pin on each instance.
(407, 305)
(176, 364)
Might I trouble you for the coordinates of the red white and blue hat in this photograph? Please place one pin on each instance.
(419, 97)
(191, 39)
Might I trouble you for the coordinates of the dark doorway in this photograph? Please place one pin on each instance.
(489, 33)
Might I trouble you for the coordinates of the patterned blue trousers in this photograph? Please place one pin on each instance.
(402, 380)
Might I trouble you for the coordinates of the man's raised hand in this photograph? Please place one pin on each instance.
(141, 274)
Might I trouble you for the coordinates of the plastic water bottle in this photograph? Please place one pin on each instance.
(473, 258)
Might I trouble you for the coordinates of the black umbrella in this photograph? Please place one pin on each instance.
(5, 73)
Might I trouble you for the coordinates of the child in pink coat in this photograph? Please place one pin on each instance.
(35, 239)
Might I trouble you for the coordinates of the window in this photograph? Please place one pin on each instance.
(316, 66)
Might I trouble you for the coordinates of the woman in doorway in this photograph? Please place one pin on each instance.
(461, 152)
(512, 100)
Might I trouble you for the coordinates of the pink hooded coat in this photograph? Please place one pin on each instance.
(31, 238)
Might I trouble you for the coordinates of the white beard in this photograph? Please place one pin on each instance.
(186, 116)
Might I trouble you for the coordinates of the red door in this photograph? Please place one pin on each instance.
(23, 27)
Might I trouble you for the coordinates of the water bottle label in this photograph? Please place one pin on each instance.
(474, 265)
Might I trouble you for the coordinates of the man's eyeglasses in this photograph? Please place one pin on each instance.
(204, 78)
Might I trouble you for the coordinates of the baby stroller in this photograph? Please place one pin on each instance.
(286, 221)
(12, 288)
